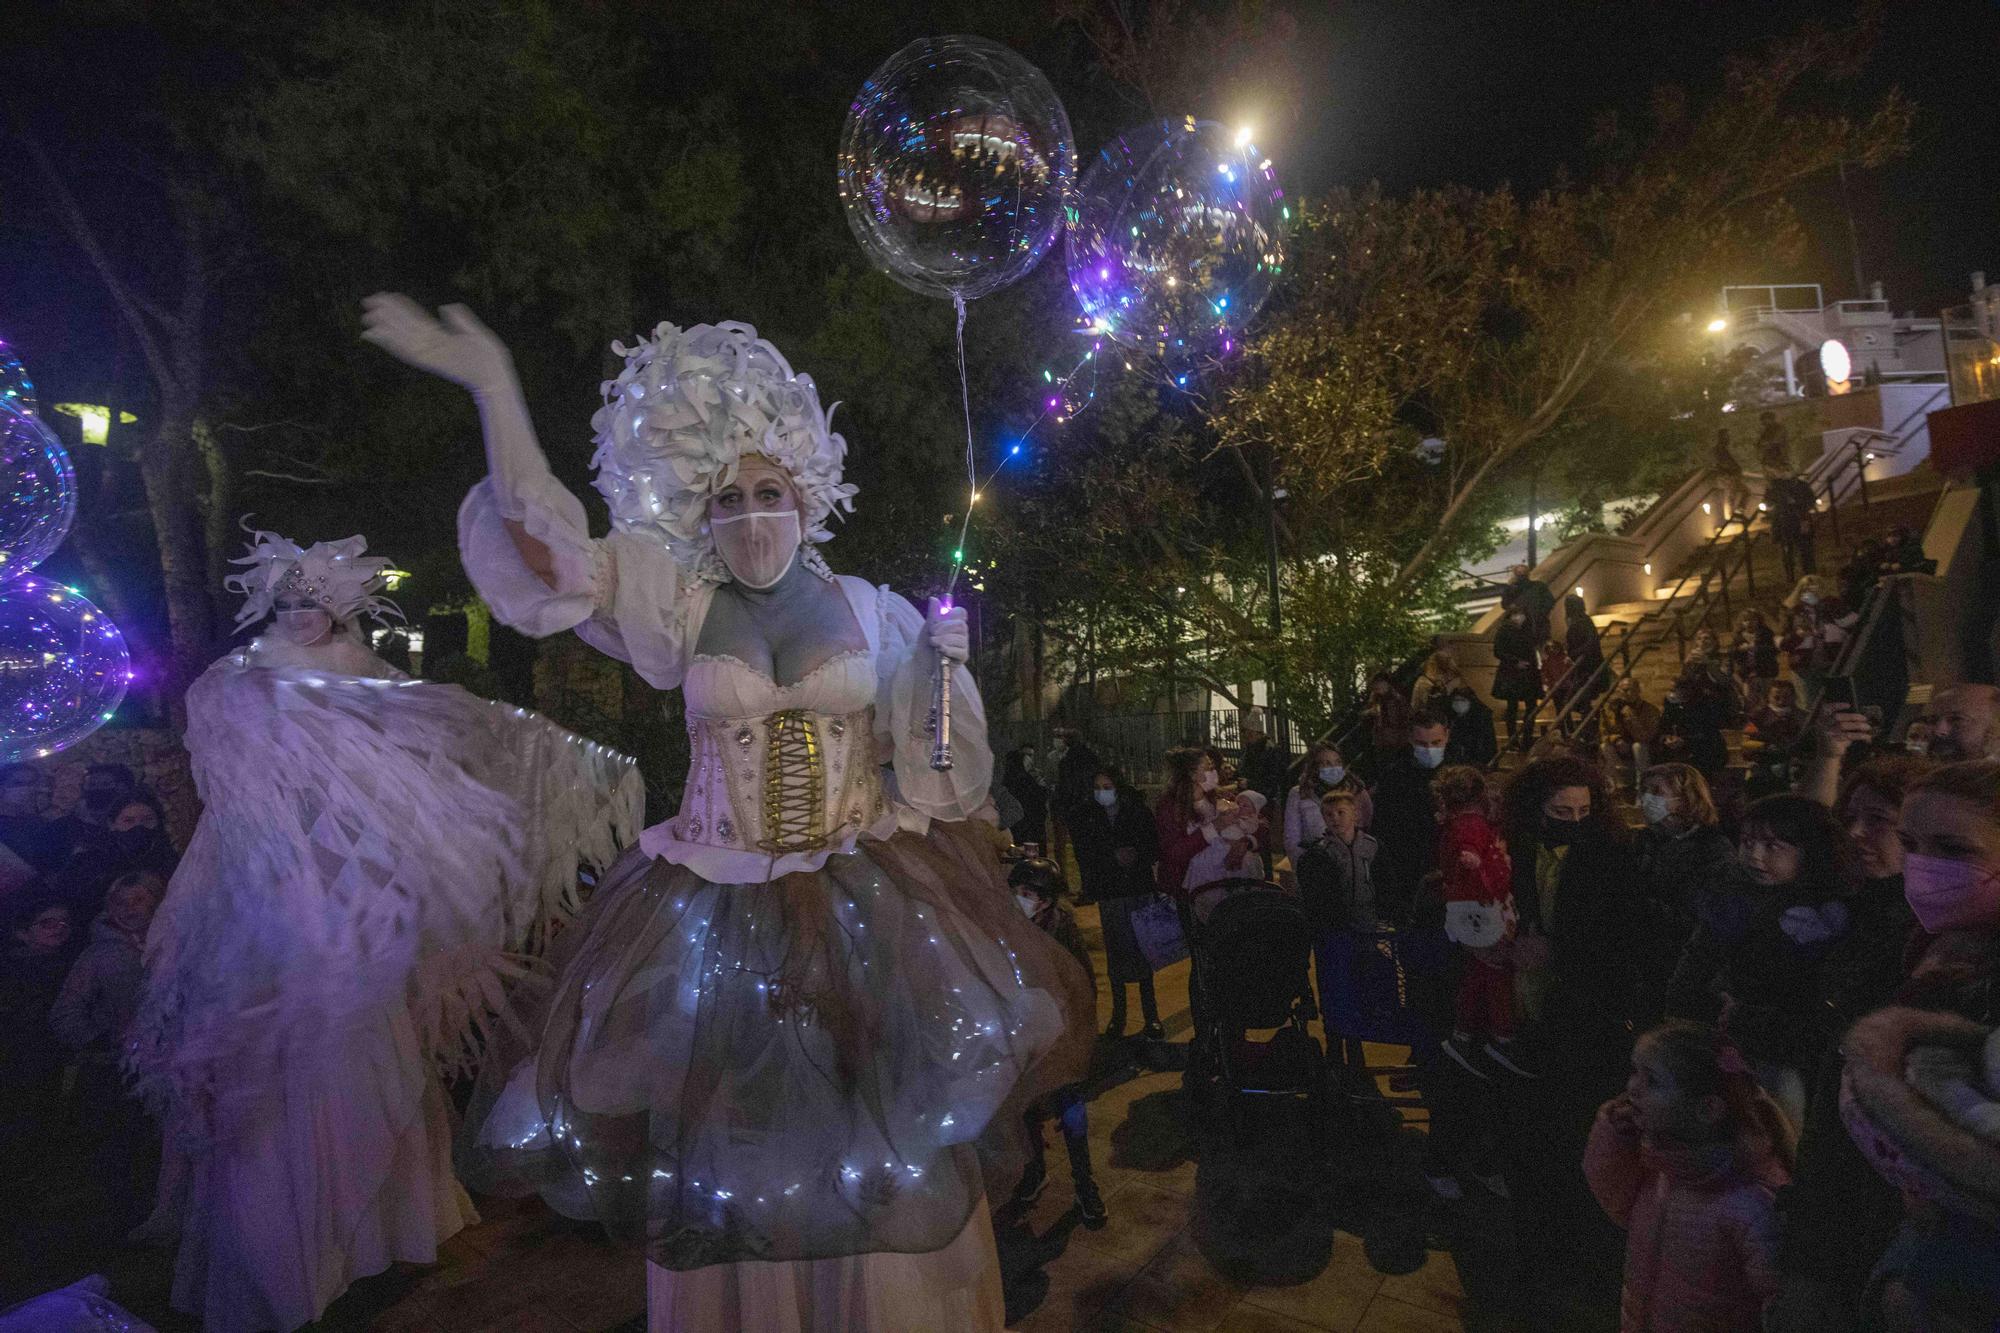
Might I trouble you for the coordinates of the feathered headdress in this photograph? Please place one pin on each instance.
(335, 574)
(681, 415)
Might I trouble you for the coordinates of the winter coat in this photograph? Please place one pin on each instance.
(1336, 883)
(1532, 596)
(1517, 674)
(1177, 843)
(1405, 827)
(101, 993)
(1470, 734)
(1936, 1137)
(1701, 1231)
(1672, 873)
(1097, 834)
(1838, 1215)
(1589, 927)
(1473, 893)
(1765, 948)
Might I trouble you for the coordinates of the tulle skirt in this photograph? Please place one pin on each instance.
(808, 1069)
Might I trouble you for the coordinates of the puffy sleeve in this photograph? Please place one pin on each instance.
(623, 595)
(906, 669)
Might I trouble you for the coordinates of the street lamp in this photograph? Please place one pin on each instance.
(1718, 325)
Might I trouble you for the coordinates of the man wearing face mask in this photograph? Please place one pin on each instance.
(1471, 725)
(1405, 826)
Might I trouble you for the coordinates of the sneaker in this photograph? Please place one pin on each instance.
(1033, 1181)
(1153, 1032)
(1090, 1204)
(1505, 1055)
(1461, 1050)
(1446, 1188)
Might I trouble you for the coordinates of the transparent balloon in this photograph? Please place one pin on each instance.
(955, 163)
(16, 389)
(1177, 239)
(63, 667)
(37, 492)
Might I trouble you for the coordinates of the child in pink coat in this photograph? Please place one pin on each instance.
(1689, 1160)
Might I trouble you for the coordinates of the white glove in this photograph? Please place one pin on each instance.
(947, 633)
(463, 350)
(457, 347)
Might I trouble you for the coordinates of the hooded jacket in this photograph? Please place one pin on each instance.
(1702, 1231)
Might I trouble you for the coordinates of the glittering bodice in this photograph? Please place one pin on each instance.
(780, 769)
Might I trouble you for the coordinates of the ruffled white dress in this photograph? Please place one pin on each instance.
(374, 854)
(786, 1018)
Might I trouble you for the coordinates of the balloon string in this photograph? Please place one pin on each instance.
(971, 465)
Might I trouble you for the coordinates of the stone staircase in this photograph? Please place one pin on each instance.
(1655, 644)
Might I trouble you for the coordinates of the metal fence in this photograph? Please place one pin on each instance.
(1136, 742)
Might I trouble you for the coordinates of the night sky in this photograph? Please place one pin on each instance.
(1415, 92)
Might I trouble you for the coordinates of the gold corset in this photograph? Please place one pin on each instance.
(793, 781)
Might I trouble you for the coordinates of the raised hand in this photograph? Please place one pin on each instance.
(456, 346)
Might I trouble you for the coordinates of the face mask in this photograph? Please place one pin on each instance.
(1028, 903)
(1947, 894)
(1332, 774)
(1461, 706)
(1560, 832)
(1674, 698)
(1107, 797)
(1205, 781)
(303, 628)
(1428, 756)
(1917, 747)
(1810, 598)
(1653, 806)
(758, 548)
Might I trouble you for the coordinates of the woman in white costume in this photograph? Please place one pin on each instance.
(788, 1014)
(374, 855)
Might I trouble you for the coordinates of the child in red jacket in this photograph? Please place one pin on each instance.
(1479, 918)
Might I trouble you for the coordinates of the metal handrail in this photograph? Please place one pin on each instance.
(1703, 598)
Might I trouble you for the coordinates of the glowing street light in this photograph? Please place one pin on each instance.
(1718, 325)
(1243, 137)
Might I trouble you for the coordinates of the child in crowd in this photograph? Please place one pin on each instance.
(1038, 890)
(1771, 737)
(91, 1016)
(1755, 965)
(1336, 870)
(1231, 852)
(1688, 1160)
(1479, 918)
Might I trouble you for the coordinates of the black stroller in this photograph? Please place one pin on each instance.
(1251, 952)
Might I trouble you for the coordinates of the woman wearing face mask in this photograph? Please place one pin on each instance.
(1186, 807)
(1840, 1219)
(1471, 724)
(134, 840)
(1681, 850)
(374, 856)
(1115, 851)
(755, 1018)
(1573, 961)
(1325, 771)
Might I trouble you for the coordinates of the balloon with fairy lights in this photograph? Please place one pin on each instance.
(37, 492)
(63, 667)
(63, 664)
(17, 391)
(1177, 239)
(954, 166)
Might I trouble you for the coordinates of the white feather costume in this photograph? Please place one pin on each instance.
(377, 859)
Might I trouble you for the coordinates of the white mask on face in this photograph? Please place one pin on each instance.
(303, 628)
(758, 547)
(1653, 806)
(1107, 797)
(1461, 706)
(1028, 903)
(1332, 774)
(1428, 756)
(1205, 780)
